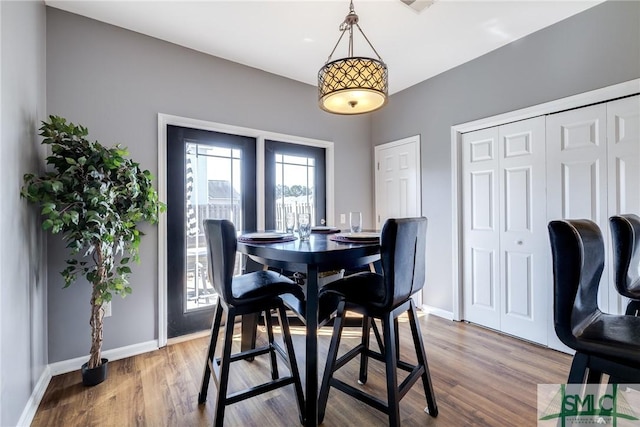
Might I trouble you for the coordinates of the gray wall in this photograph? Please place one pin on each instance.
(115, 82)
(593, 49)
(23, 330)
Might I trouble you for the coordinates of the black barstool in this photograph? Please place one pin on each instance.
(604, 343)
(625, 236)
(383, 296)
(257, 292)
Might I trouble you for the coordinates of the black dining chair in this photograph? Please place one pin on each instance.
(603, 343)
(383, 296)
(625, 237)
(257, 292)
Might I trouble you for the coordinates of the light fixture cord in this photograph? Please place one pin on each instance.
(370, 45)
(347, 24)
(336, 46)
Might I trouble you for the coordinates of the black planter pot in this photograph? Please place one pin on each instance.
(95, 376)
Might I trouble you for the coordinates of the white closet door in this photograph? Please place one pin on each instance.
(623, 135)
(481, 230)
(577, 171)
(523, 230)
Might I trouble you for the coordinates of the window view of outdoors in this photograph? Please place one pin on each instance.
(213, 190)
(295, 187)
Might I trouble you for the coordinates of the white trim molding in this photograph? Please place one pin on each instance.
(30, 409)
(437, 312)
(71, 365)
(628, 88)
(260, 135)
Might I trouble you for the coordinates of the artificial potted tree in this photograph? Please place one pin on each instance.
(95, 197)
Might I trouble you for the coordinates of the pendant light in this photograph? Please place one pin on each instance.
(355, 84)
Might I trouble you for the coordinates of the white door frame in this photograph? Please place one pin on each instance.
(630, 87)
(261, 136)
(415, 141)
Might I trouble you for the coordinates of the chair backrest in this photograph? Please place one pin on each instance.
(577, 251)
(402, 251)
(625, 236)
(221, 252)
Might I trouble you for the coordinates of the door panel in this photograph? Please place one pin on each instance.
(523, 242)
(295, 181)
(397, 176)
(198, 188)
(577, 171)
(481, 236)
(518, 285)
(483, 276)
(397, 183)
(623, 134)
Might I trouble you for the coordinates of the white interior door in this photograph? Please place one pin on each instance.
(481, 228)
(397, 183)
(524, 246)
(577, 171)
(623, 136)
(397, 180)
(505, 249)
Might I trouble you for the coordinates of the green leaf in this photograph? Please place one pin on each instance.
(47, 224)
(47, 208)
(57, 186)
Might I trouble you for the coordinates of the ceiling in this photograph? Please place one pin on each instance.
(294, 38)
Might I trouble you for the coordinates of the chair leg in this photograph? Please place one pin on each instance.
(391, 359)
(578, 368)
(364, 358)
(376, 332)
(397, 334)
(593, 376)
(221, 398)
(432, 407)
(215, 330)
(293, 364)
(268, 322)
(249, 333)
(633, 308)
(332, 355)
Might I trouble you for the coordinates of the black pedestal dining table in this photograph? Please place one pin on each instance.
(318, 254)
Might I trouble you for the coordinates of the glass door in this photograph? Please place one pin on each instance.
(210, 175)
(294, 182)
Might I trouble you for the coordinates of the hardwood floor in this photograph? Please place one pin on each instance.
(480, 377)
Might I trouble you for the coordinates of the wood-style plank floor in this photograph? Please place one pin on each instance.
(480, 377)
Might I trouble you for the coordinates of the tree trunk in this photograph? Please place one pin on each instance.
(97, 316)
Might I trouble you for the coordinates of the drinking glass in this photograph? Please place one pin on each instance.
(355, 221)
(304, 226)
(289, 222)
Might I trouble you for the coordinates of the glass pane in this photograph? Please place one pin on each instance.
(295, 185)
(213, 190)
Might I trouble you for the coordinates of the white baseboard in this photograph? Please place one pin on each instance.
(71, 365)
(437, 312)
(34, 400)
